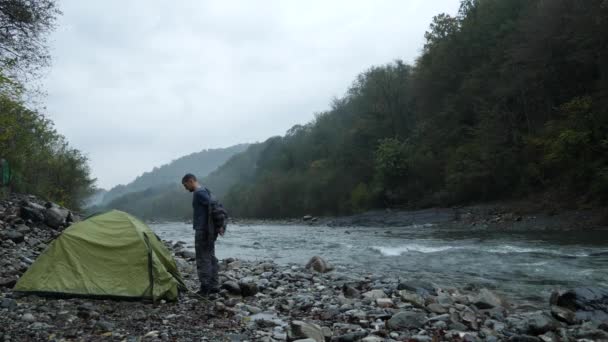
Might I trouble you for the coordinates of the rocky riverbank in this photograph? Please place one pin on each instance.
(263, 301)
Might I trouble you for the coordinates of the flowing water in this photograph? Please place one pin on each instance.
(526, 266)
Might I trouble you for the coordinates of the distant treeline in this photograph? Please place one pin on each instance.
(508, 99)
(39, 159)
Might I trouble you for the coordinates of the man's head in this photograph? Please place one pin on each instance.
(189, 182)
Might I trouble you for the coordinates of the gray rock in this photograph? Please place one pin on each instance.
(406, 320)
(412, 298)
(248, 288)
(8, 303)
(138, 315)
(14, 236)
(186, 254)
(563, 314)
(587, 303)
(39, 326)
(55, 217)
(375, 294)
(350, 291)
(457, 326)
(232, 287)
(28, 317)
(33, 212)
(303, 330)
(436, 308)
(23, 229)
(486, 299)
(540, 322)
(420, 287)
(523, 338)
(317, 264)
(350, 337)
(104, 326)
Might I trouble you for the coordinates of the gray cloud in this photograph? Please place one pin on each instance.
(136, 84)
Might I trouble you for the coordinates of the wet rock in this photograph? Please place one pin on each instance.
(412, 298)
(375, 294)
(419, 287)
(350, 291)
(318, 264)
(384, 302)
(540, 322)
(350, 337)
(587, 303)
(28, 317)
(104, 326)
(55, 217)
(14, 236)
(563, 314)
(232, 287)
(406, 320)
(303, 330)
(186, 254)
(248, 287)
(436, 308)
(487, 299)
(8, 303)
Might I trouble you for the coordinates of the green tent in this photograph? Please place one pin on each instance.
(108, 255)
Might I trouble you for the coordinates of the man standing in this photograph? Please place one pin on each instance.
(204, 236)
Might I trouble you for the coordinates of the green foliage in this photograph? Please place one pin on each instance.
(508, 98)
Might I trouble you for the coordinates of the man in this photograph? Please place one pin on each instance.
(204, 236)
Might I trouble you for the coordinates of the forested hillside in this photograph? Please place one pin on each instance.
(509, 98)
(199, 163)
(40, 160)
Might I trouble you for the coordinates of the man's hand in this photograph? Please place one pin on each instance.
(222, 231)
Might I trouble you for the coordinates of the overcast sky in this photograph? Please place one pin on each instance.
(136, 84)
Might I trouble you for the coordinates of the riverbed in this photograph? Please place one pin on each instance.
(525, 266)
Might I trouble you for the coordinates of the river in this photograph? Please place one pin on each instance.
(523, 266)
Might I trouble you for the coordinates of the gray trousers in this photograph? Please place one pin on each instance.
(206, 262)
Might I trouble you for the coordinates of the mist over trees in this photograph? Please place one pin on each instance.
(509, 98)
(40, 159)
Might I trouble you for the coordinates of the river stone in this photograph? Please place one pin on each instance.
(374, 294)
(318, 264)
(186, 254)
(350, 291)
(406, 320)
(8, 303)
(412, 298)
(384, 302)
(486, 299)
(303, 330)
(248, 287)
(436, 308)
(28, 317)
(420, 287)
(563, 314)
(540, 322)
(373, 338)
(39, 326)
(14, 236)
(232, 287)
(350, 337)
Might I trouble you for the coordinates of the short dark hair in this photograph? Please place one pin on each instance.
(188, 177)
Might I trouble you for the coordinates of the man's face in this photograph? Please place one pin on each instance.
(189, 185)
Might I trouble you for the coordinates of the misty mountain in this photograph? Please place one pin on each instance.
(200, 163)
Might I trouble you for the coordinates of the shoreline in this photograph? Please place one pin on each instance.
(264, 301)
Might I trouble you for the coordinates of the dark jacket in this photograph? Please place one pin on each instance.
(200, 206)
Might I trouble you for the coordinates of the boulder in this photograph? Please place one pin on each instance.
(317, 264)
(55, 217)
(33, 212)
(587, 303)
(302, 330)
(406, 320)
(563, 314)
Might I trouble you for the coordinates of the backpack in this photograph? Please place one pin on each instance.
(218, 215)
